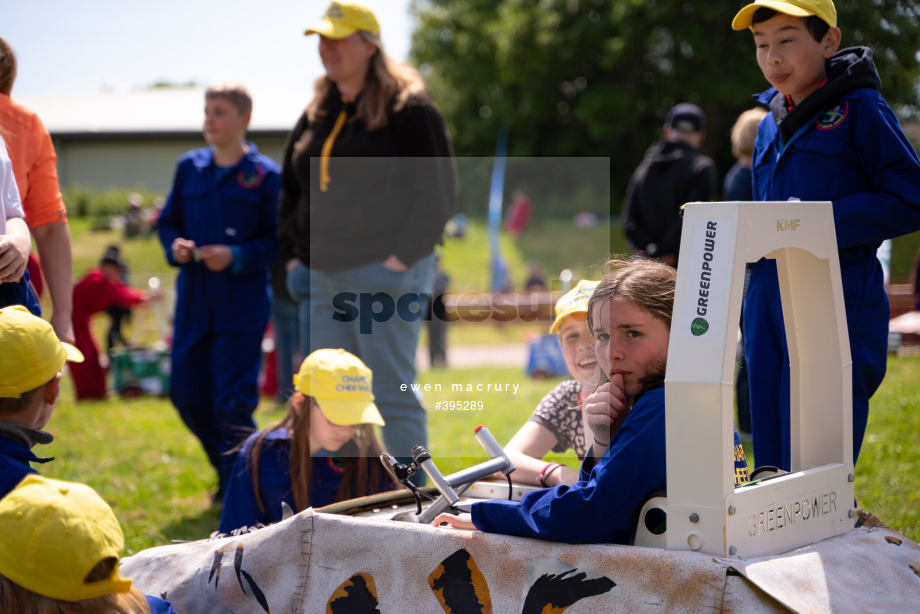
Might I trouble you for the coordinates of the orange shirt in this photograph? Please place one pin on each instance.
(34, 164)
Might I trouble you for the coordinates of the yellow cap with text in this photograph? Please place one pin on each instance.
(342, 19)
(341, 385)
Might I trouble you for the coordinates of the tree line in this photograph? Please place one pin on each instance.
(573, 78)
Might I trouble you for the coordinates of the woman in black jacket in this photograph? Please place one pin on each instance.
(367, 186)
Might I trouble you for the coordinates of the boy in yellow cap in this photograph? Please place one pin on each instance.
(60, 548)
(557, 423)
(323, 451)
(829, 136)
(31, 358)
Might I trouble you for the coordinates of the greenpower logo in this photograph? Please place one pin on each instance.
(699, 326)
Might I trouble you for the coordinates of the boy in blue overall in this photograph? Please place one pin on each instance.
(829, 136)
(30, 383)
(219, 226)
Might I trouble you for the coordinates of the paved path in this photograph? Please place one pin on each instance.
(467, 356)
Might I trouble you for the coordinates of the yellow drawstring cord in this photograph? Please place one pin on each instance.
(324, 177)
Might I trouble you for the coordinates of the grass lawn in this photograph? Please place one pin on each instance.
(140, 457)
(143, 461)
(888, 472)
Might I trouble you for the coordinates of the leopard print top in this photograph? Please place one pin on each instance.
(560, 413)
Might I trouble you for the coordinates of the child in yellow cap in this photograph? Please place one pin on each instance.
(60, 547)
(323, 451)
(557, 423)
(31, 358)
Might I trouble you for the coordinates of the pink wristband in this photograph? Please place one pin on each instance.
(547, 469)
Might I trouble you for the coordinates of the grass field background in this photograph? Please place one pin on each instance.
(141, 458)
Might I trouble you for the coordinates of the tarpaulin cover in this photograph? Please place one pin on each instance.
(315, 562)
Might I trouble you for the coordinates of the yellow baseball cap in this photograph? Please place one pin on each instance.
(573, 301)
(53, 533)
(342, 19)
(824, 9)
(341, 385)
(30, 352)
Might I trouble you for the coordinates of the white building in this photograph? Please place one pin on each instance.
(132, 139)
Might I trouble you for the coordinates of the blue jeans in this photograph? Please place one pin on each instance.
(386, 347)
(286, 321)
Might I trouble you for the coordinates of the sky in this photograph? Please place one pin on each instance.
(85, 46)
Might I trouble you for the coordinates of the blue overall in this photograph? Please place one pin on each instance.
(221, 316)
(850, 150)
(602, 507)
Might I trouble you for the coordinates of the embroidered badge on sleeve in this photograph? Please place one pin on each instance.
(833, 117)
(250, 180)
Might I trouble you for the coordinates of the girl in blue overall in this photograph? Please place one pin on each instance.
(323, 451)
(629, 316)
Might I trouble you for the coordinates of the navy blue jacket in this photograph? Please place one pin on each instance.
(842, 144)
(20, 293)
(239, 210)
(158, 606)
(391, 190)
(15, 457)
(240, 509)
(602, 506)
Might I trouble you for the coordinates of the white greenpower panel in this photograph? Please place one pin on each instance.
(705, 512)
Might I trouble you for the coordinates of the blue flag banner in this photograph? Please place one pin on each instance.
(499, 268)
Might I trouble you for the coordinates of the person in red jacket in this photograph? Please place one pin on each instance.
(99, 290)
(518, 213)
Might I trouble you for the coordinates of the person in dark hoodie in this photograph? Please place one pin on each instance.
(672, 173)
(829, 136)
(367, 186)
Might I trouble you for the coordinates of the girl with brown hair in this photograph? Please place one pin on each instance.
(629, 317)
(324, 450)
